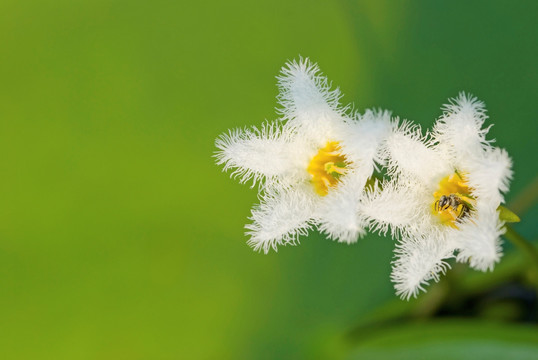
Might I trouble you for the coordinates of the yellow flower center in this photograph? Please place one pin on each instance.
(453, 201)
(326, 167)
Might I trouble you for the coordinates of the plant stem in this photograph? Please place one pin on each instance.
(526, 198)
(523, 244)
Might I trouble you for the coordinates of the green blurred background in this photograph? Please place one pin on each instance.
(120, 238)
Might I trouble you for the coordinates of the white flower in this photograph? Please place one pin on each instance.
(312, 164)
(442, 199)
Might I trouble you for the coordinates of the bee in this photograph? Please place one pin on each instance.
(460, 207)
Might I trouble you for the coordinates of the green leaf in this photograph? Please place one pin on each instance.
(507, 215)
(449, 339)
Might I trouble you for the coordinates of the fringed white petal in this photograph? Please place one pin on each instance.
(489, 174)
(393, 208)
(272, 152)
(408, 152)
(419, 260)
(479, 241)
(459, 130)
(338, 216)
(281, 218)
(308, 101)
(362, 138)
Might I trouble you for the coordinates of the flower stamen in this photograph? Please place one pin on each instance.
(453, 200)
(326, 167)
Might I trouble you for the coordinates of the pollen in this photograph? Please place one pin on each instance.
(326, 167)
(453, 200)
